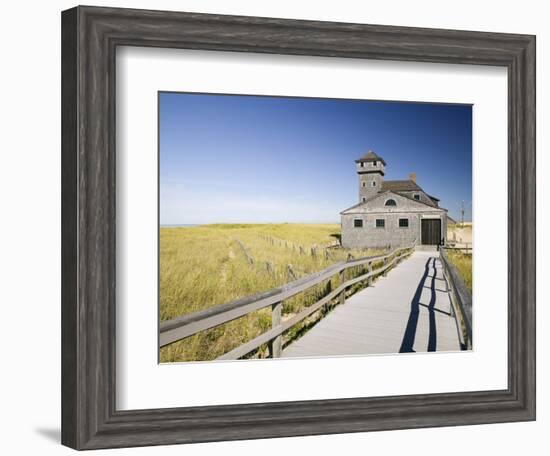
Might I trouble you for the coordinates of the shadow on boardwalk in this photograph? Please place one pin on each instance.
(410, 331)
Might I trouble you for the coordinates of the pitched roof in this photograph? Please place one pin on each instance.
(400, 186)
(431, 204)
(409, 185)
(370, 156)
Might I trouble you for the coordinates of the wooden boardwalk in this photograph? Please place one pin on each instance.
(409, 310)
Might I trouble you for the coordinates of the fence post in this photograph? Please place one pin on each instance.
(385, 264)
(249, 257)
(291, 272)
(343, 292)
(276, 345)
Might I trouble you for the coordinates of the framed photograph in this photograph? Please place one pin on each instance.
(281, 255)
(279, 228)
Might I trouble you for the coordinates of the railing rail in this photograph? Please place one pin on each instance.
(190, 324)
(461, 297)
(467, 249)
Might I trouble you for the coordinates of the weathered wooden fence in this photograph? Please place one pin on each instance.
(187, 325)
(298, 247)
(461, 297)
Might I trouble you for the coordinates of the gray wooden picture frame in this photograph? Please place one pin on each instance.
(90, 36)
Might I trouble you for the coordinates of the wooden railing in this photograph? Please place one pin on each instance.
(466, 248)
(187, 325)
(461, 298)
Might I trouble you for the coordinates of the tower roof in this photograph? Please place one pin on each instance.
(370, 156)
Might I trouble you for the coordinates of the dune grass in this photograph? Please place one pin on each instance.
(463, 264)
(209, 265)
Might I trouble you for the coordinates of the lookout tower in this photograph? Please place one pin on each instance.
(370, 168)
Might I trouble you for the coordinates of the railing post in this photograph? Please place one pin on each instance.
(446, 279)
(343, 293)
(369, 268)
(276, 345)
(385, 273)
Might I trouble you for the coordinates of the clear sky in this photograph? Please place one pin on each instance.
(250, 159)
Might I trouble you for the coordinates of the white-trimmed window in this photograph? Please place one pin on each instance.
(403, 223)
(390, 202)
(357, 223)
(380, 223)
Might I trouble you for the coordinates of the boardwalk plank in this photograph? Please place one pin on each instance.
(409, 309)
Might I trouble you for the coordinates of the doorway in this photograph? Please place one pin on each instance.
(431, 231)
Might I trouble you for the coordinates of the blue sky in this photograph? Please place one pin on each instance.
(250, 159)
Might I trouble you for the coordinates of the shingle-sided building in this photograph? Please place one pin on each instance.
(391, 213)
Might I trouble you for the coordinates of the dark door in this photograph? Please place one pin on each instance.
(431, 231)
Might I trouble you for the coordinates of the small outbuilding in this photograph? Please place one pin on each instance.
(391, 213)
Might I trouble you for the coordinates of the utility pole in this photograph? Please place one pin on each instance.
(462, 210)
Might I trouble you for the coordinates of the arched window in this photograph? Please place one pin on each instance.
(391, 202)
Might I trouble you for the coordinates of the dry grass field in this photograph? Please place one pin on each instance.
(460, 235)
(463, 263)
(209, 265)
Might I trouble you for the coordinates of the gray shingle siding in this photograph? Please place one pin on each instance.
(369, 236)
